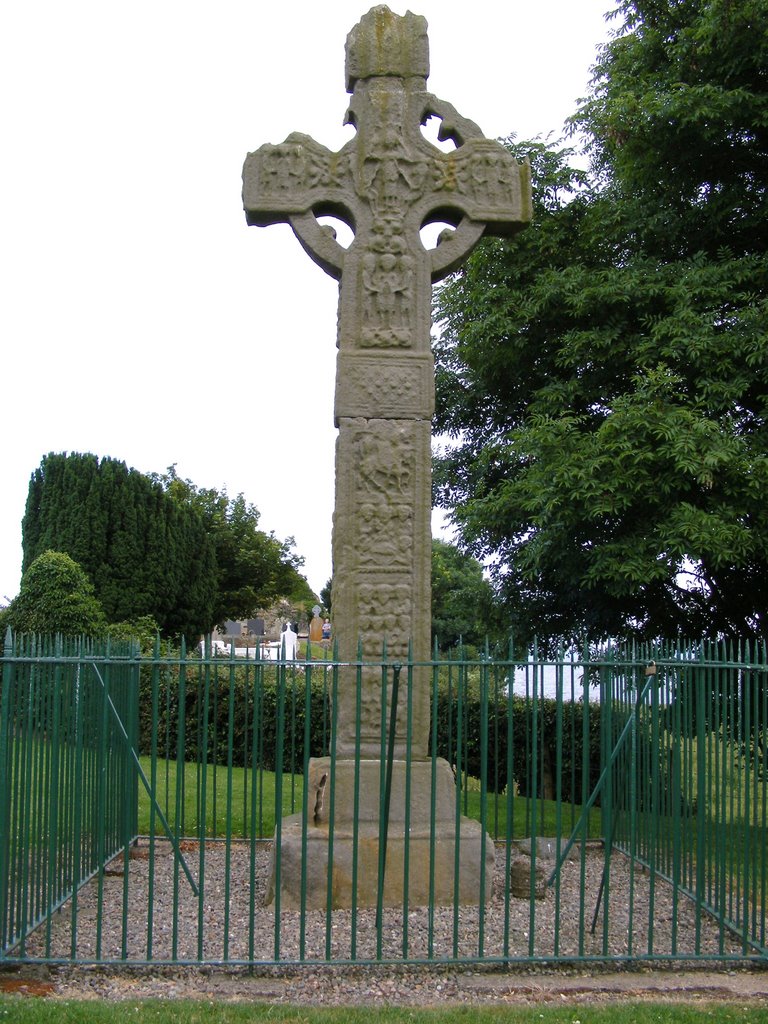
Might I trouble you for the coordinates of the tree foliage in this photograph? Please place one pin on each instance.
(463, 603)
(145, 554)
(325, 596)
(253, 568)
(157, 547)
(55, 596)
(603, 379)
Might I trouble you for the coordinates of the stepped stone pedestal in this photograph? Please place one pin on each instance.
(433, 874)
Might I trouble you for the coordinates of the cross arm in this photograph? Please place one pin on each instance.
(295, 182)
(284, 179)
(480, 189)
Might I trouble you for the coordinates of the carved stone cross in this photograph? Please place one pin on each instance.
(386, 184)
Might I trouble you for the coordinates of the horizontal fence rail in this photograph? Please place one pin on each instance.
(192, 807)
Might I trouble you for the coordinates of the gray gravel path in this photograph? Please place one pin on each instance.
(238, 931)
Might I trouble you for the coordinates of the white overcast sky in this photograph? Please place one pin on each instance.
(140, 318)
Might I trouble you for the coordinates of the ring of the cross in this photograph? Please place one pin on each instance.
(318, 242)
(454, 247)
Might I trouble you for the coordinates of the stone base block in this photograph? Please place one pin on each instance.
(432, 863)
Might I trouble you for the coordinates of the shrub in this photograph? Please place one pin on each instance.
(242, 711)
(516, 729)
(251, 693)
(55, 596)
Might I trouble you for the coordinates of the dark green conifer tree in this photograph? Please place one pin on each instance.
(144, 553)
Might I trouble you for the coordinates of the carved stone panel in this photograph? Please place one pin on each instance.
(486, 181)
(287, 178)
(381, 387)
(385, 300)
(384, 535)
(382, 555)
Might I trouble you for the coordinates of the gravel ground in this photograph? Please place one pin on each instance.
(431, 986)
(242, 931)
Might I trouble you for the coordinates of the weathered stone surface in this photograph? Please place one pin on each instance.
(386, 184)
(382, 564)
(427, 853)
(383, 45)
(546, 848)
(520, 879)
(431, 837)
(369, 781)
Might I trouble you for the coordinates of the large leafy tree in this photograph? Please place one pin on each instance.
(604, 378)
(253, 568)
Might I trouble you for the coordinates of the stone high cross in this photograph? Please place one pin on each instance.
(386, 184)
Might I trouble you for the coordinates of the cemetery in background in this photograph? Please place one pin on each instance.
(142, 798)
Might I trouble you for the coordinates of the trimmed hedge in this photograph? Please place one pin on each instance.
(241, 711)
(254, 722)
(517, 729)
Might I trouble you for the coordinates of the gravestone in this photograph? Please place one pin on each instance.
(316, 629)
(386, 184)
(289, 642)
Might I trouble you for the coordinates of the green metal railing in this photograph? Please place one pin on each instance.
(690, 799)
(68, 797)
(144, 800)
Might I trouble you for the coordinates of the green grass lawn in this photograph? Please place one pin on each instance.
(237, 802)
(233, 800)
(26, 1010)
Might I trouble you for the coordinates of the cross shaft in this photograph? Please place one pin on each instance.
(386, 184)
